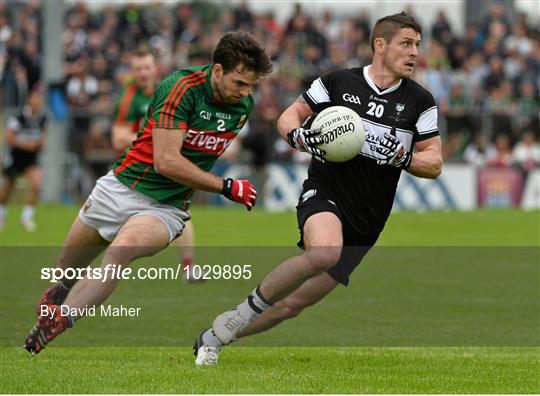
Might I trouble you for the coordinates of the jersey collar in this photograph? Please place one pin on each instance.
(374, 87)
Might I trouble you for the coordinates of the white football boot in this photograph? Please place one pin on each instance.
(206, 355)
(229, 324)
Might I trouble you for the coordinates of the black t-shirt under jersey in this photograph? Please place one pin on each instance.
(363, 190)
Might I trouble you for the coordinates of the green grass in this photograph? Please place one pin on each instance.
(235, 226)
(274, 370)
(448, 304)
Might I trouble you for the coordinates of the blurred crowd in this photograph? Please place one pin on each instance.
(485, 81)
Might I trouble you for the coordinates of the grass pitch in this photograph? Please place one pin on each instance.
(421, 315)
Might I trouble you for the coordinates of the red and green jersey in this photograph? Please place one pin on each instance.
(183, 100)
(131, 106)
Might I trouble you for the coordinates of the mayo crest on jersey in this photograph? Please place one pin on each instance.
(183, 100)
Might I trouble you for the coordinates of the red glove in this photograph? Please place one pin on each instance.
(241, 191)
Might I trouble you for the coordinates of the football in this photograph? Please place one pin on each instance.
(342, 131)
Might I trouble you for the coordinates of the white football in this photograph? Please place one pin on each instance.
(342, 131)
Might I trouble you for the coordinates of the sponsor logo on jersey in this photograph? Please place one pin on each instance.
(223, 116)
(347, 97)
(211, 142)
(373, 97)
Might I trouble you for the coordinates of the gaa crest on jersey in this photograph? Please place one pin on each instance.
(400, 107)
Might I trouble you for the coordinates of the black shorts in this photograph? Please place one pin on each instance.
(18, 161)
(355, 245)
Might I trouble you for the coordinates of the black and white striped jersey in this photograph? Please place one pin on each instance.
(27, 126)
(364, 190)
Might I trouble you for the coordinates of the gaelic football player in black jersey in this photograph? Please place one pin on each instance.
(25, 137)
(344, 206)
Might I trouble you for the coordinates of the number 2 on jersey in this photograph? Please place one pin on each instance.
(375, 109)
(221, 125)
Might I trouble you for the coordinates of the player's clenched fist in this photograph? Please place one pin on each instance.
(241, 191)
(306, 140)
(393, 152)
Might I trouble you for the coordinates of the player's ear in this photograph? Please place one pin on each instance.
(379, 44)
(217, 70)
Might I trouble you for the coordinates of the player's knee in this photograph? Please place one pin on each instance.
(122, 249)
(319, 259)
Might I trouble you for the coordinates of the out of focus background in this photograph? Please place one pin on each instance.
(480, 59)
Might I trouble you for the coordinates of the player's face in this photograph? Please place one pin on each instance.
(35, 101)
(401, 52)
(144, 70)
(231, 87)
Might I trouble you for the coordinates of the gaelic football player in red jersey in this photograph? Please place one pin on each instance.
(129, 112)
(142, 204)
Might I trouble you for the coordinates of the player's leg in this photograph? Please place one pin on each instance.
(141, 236)
(309, 293)
(5, 192)
(323, 243)
(323, 240)
(313, 290)
(81, 246)
(33, 175)
(186, 248)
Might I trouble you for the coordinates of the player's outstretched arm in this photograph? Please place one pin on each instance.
(169, 162)
(427, 159)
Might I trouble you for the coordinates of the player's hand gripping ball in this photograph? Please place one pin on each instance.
(342, 133)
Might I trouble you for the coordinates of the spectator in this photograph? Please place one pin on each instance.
(457, 111)
(502, 156)
(526, 153)
(488, 73)
(479, 151)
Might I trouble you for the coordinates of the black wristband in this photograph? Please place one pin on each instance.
(227, 187)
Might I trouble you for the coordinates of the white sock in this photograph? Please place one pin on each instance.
(27, 213)
(210, 339)
(254, 304)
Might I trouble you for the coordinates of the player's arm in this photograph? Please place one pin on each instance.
(169, 162)
(290, 128)
(293, 117)
(122, 136)
(427, 160)
(41, 142)
(14, 141)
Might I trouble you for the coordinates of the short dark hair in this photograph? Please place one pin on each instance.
(240, 47)
(388, 26)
